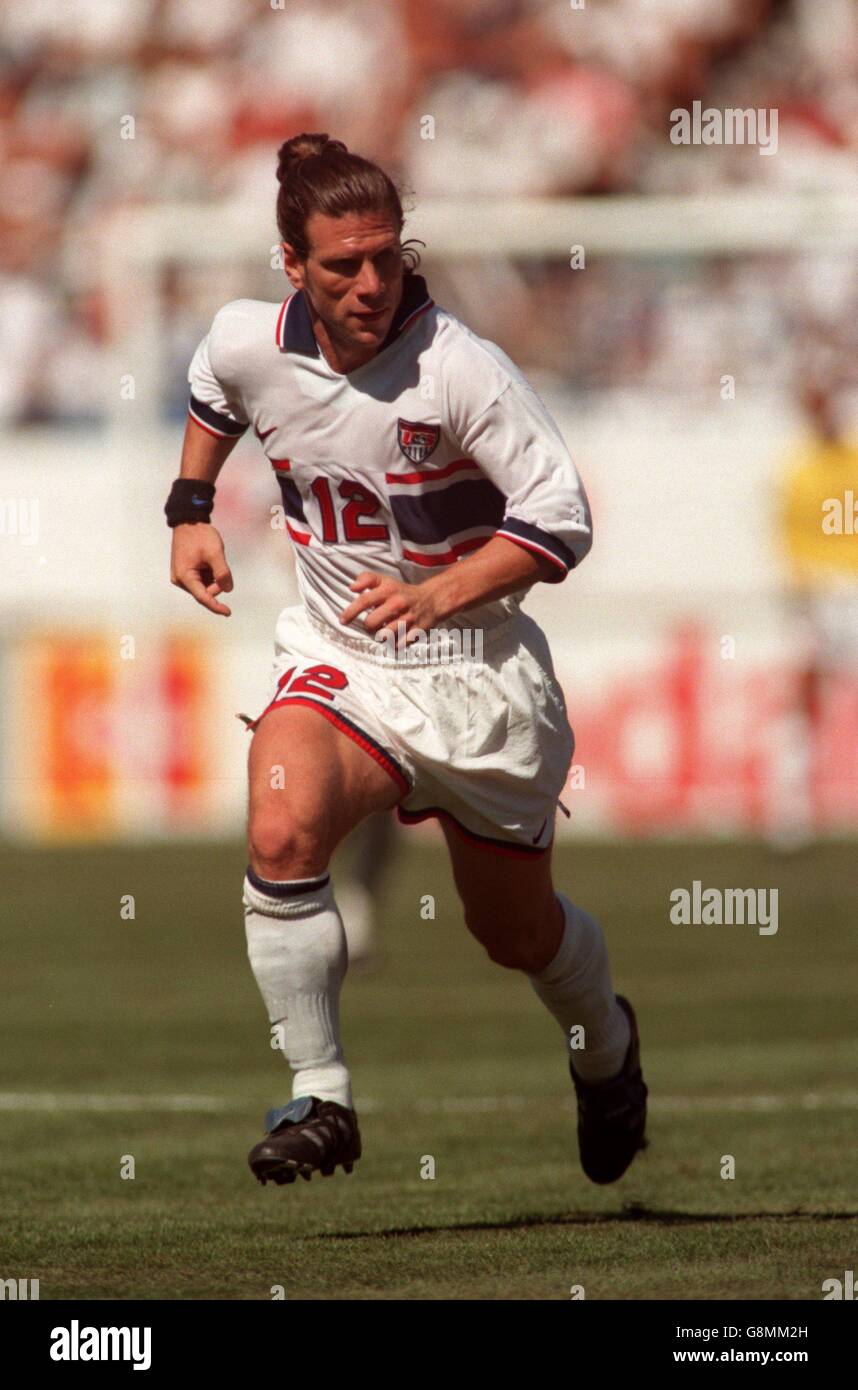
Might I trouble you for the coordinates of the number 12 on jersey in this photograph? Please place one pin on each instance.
(359, 503)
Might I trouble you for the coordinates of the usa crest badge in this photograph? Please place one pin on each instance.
(417, 441)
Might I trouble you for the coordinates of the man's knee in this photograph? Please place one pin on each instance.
(281, 846)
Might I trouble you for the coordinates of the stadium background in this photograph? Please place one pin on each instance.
(717, 284)
(138, 197)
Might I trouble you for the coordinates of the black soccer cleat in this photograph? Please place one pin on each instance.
(612, 1114)
(306, 1136)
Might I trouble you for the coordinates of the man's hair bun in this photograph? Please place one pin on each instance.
(292, 153)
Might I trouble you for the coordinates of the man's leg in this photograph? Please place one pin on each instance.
(512, 909)
(309, 786)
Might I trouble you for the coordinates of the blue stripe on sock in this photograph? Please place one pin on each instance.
(288, 888)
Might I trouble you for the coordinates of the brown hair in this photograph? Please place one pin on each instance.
(317, 174)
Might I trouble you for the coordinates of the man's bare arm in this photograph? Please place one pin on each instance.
(197, 561)
(203, 454)
(497, 569)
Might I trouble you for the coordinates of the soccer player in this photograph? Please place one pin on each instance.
(425, 489)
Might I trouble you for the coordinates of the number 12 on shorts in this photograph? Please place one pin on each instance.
(313, 680)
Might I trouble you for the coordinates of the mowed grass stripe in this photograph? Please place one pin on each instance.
(450, 1105)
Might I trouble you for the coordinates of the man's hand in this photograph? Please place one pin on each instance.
(498, 568)
(198, 565)
(392, 602)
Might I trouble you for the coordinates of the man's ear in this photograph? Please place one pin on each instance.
(293, 267)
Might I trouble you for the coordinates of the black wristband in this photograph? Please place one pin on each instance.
(190, 500)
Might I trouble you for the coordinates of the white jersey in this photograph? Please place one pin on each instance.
(405, 464)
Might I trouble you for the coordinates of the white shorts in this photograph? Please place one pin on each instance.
(483, 744)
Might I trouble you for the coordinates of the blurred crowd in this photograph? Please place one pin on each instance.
(107, 104)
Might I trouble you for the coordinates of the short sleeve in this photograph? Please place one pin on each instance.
(519, 447)
(214, 404)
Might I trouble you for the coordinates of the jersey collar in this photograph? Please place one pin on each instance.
(295, 329)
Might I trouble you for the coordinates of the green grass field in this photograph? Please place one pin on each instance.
(749, 1045)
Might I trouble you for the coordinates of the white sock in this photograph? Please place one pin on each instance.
(576, 988)
(297, 950)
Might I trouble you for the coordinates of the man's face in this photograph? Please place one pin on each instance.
(352, 276)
